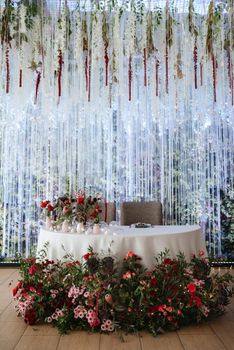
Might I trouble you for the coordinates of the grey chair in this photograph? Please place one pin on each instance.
(108, 212)
(145, 212)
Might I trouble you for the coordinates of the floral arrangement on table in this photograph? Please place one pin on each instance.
(97, 294)
(81, 208)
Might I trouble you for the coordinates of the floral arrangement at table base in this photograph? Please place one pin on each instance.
(100, 295)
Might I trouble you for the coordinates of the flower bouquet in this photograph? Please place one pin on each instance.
(81, 209)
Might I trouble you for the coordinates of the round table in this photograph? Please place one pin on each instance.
(145, 242)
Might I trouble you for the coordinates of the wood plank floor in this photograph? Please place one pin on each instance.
(218, 334)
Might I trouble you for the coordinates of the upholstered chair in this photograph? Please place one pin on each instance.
(144, 212)
(108, 212)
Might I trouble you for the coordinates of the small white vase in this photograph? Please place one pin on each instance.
(65, 226)
(48, 223)
(96, 229)
(80, 227)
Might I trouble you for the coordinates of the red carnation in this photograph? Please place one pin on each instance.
(191, 288)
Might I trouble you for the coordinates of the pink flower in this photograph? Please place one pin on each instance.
(201, 253)
(129, 254)
(179, 312)
(169, 309)
(127, 275)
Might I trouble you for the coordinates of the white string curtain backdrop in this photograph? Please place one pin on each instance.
(175, 147)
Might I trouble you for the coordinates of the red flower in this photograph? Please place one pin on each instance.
(32, 289)
(169, 309)
(201, 253)
(14, 291)
(87, 256)
(153, 282)
(44, 204)
(30, 316)
(50, 208)
(169, 318)
(32, 270)
(129, 254)
(179, 312)
(191, 288)
(198, 301)
(80, 200)
(168, 261)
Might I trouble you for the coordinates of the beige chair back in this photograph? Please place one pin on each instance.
(145, 212)
(108, 212)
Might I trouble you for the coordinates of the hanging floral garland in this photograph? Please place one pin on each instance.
(130, 49)
(169, 41)
(99, 30)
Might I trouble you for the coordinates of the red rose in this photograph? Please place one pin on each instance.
(80, 200)
(44, 204)
(50, 208)
(191, 288)
(153, 282)
(169, 318)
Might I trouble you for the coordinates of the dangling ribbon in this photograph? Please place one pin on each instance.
(7, 70)
(156, 76)
(37, 85)
(105, 214)
(214, 76)
(130, 78)
(89, 74)
(20, 77)
(145, 67)
(166, 56)
(201, 74)
(195, 63)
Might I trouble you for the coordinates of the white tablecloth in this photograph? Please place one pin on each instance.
(145, 242)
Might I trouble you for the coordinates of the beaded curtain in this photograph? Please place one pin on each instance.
(133, 100)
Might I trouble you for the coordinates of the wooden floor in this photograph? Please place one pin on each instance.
(15, 334)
